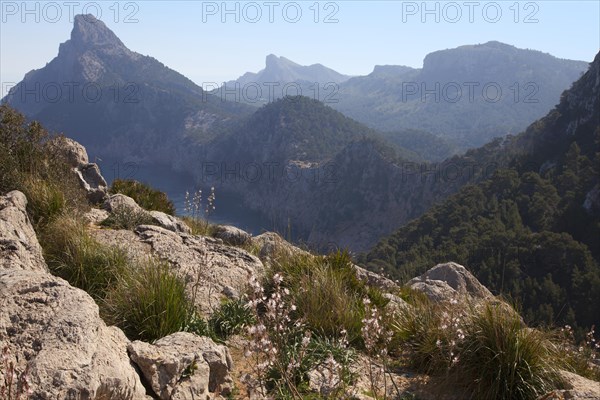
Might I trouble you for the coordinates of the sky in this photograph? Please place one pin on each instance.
(216, 41)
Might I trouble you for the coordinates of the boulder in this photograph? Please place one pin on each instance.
(121, 202)
(376, 280)
(206, 265)
(169, 222)
(55, 331)
(271, 245)
(232, 235)
(184, 366)
(19, 247)
(448, 281)
(75, 154)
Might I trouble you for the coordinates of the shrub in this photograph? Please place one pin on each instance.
(149, 302)
(231, 318)
(501, 359)
(143, 194)
(37, 169)
(127, 218)
(327, 293)
(199, 226)
(74, 255)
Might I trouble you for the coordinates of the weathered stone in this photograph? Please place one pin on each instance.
(271, 245)
(19, 247)
(55, 329)
(448, 281)
(206, 265)
(75, 154)
(95, 216)
(170, 222)
(232, 235)
(376, 280)
(184, 366)
(120, 201)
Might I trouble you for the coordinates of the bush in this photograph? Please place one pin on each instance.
(149, 302)
(231, 318)
(75, 256)
(327, 293)
(127, 218)
(31, 165)
(501, 359)
(199, 226)
(143, 194)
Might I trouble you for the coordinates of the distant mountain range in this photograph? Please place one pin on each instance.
(303, 164)
(467, 95)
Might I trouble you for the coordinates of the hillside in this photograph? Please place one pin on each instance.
(530, 231)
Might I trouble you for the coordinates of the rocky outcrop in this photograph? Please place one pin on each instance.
(19, 247)
(184, 366)
(120, 202)
(88, 174)
(449, 281)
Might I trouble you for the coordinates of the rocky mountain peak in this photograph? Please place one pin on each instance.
(89, 31)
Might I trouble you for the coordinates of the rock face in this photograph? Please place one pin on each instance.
(184, 366)
(19, 247)
(449, 281)
(52, 328)
(119, 201)
(57, 331)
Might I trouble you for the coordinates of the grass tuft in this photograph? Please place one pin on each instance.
(144, 195)
(149, 302)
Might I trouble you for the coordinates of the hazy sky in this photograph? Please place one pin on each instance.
(217, 41)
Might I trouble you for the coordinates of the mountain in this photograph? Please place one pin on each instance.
(282, 77)
(531, 230)
(467, 95)
(280, 69)
(118, 102)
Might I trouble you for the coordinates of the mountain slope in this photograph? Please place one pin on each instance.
(530, 231)
(116, 101)
(469, 94)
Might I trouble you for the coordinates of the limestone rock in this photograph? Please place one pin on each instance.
(373, 279)
(184, 366)
(55, 329)
(120, 201)
(204, 263)
(232, 235)
(95, 216)
(448, 281)
(169, 222)
(74, 152)
(19, 247)
(271, 244)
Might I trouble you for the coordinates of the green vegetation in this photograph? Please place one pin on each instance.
(146, 196)
(148, 302)
(75, 256)
(232, 317)
(483, 349)
(127, 218)
(30, 164)
(523, 234)
(327, 294)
